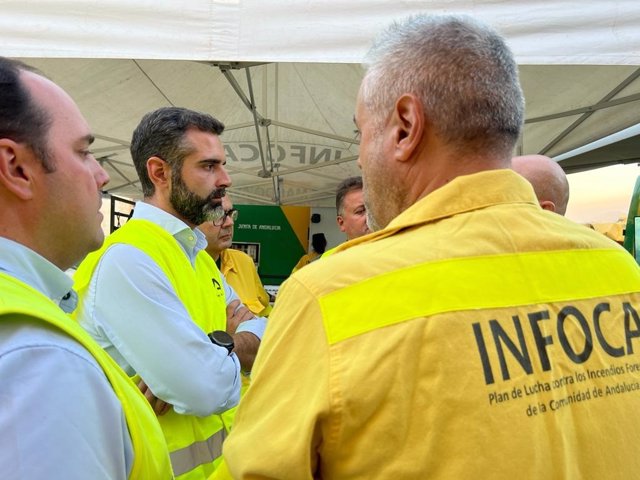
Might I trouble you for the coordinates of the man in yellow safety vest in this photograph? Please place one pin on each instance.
(153, 298)
(66, 409)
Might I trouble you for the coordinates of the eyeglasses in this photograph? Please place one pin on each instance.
(220, 216)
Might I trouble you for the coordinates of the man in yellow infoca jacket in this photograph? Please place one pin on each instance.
(66, 409)
(473, 334)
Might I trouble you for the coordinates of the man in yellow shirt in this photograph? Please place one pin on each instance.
(352, 214)
(242, 287)
(236, 266)
(473, 334)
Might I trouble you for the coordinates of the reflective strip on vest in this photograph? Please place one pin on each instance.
(206, 451)
(468, 283)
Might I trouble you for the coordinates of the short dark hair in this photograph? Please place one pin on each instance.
(347, 185)
(161, 134)
(21, 119)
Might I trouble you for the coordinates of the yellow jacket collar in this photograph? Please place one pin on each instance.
(462, 194)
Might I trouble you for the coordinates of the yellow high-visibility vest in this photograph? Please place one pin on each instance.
(150, 453)
(195, 443)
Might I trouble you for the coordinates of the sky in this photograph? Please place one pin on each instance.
(601, 195)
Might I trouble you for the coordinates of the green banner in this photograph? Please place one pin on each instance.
(276, 237)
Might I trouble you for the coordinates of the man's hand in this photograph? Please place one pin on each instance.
(159, 406)
(236, 314)
(245, 343)
(246, 347)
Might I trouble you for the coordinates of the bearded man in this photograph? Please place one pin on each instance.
(153, 298)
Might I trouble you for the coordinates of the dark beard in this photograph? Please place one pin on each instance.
(190, 206)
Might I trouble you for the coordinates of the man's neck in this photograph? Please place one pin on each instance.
(214, 254)
(160, 203)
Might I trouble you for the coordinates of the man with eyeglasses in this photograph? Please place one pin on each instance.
(246, 297)
(154, 299)
(237, 267)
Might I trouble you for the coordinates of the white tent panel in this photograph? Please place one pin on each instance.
(620, 148)
(540, 32)
(119, 60)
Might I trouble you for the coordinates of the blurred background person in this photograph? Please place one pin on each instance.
(547, 179)
(351, 211)
(352, 214)
(237, 267)
(318, 246)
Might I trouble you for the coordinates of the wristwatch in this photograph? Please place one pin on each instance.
(222, 339)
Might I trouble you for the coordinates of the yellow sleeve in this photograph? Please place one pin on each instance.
(260, 293)
(244, 279)
(280, 422)
(304, 260)
(263, 297)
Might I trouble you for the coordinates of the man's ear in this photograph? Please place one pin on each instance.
(17, 168)
(548, 205)
(159, 172)
(407, 126)
(340, 222)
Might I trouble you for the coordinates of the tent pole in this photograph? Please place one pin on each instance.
(586, 115)
(257, 118)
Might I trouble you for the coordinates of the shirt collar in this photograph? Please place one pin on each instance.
(466, 193)
(463, 194)
(36, 271)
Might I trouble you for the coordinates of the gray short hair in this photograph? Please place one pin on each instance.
(161, 133)
(463, 72)
(349, 184)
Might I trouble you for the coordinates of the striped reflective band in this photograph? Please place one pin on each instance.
(205, 451)
(475, 283)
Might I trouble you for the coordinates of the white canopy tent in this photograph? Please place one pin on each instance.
(283, 75)
(619, 148)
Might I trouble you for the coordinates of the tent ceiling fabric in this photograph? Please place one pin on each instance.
(119, 60)
(619, 148)
(329, 31)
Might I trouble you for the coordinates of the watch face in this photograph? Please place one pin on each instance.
(222, 338)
